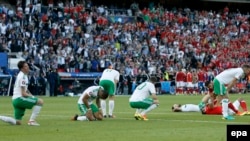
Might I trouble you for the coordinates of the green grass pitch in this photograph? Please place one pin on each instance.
(163, 125)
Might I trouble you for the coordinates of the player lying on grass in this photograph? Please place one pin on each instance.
(90, 111)
(206, 106)
(215, 110)
(212, 104)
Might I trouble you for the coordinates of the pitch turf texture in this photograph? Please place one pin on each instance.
(162, 125)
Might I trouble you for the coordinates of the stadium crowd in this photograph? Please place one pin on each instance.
(79, 37)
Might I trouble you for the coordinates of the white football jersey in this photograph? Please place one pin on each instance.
(21, 81)
(144, 90)
(190, 108)
(92, 91)
(228, 75)
(110, 74)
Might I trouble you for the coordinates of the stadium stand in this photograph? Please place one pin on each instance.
(75, 37)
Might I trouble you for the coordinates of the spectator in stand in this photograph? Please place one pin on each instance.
(33, 85)
(121, 83)
(203, 41)
(42, 81)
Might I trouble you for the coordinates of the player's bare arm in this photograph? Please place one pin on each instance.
(98, 102)
(154, 97)
(89, 113)
(25, 93)
(230, 85)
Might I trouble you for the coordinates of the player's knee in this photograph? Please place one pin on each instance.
(224, 100)
(40, 102)
(111, 97)
(240, 99)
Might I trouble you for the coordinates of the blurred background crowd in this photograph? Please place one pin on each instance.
(78, 36)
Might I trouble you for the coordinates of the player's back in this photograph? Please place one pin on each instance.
(228, 75)
(143, 91)
(110, 74)
(190, 108)
(92, 91)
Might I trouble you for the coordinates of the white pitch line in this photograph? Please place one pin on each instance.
(152, 119)
(171, 120)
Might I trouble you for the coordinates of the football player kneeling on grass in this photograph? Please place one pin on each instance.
(90, 111)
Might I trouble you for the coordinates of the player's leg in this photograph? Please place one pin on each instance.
(104, 84)
(137, 106)
(108, 86)
(243, 104)
(83, 110)
(148, 102)
(36, 110)
(240, 102)
(220, 91)
(19, 109)
(97, 112)
(112, 91)
(9, 120)
(111, 105)
(203, 102)
(141, 106)
(233, 107)
(178, 85)
(29, 103)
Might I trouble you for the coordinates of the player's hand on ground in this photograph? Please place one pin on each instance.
(90, 115)
(156, 101)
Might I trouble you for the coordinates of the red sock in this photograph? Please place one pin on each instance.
(231, 106)
(177, 90)
(243, 105)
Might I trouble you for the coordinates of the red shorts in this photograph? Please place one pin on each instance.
(213, 111)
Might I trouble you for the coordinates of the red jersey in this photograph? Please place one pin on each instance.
(180, 76)
(189, 77)
(201, 76)
(213, 111)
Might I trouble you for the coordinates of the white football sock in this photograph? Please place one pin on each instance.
(8, 119)
(36, 110)
(103, 106)
(224, 107)
(153, 106)
(138, 111)
(82, 118)
(111, 107)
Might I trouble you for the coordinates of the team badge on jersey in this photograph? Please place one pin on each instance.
(23, 83)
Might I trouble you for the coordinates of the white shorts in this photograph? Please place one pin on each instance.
(195, 85)
(180, 84)
(189, 84)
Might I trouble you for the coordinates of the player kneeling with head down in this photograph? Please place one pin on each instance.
(90, 111)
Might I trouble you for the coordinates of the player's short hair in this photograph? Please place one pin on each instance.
(20, 64)
(246, 66)
(176, 110)
(153, 79)
(104, 94)
(207, 83)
